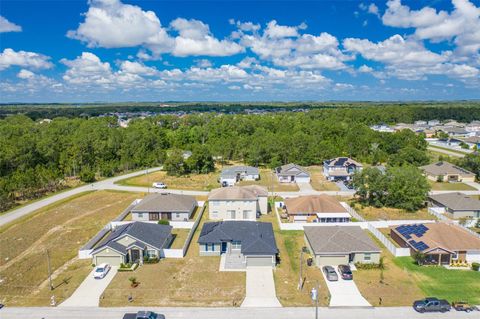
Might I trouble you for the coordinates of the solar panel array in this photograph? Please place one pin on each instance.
(420, 246)
(418, 230)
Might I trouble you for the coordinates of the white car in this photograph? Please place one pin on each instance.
(159, 185)
(101, 271)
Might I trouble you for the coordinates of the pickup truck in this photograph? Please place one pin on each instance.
(431, 305)
(463, 306)
(143, 315)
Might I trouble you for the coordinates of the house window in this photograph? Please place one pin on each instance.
(367, 256)
(151, 253)
(215, 203)
(212, 246)
(245, 214)
(455, 256)
(140, 215)
(178, 215)
(236, 245)
(206, 247)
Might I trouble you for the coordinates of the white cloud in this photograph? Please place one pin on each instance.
(87, 69)
(373, 9)
(137, 68)
(24, 59)
(7, 26)
(25, 74)
(204, 63)
(275, 30)
(365, 69)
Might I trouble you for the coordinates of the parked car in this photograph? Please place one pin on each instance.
(463, 306)
(330, 273)
(345, 272)
(101, 271)
(143, 315)
(348, 184)
(159, 185)
(431, 305)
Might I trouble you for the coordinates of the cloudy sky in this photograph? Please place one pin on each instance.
(125, 50)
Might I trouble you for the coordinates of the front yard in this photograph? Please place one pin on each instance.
(61, 228)
(444, 186)
(270, 181)
(318, 181)
(384, 213)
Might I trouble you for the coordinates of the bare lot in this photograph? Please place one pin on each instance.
(384, 213)
(62, 229)
(318, 180)
(203, 182)
(270, 181)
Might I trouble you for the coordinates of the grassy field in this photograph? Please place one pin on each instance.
(180, 237)
(269, 180)
(191, 281)
(436, 186)
(62, 229)
(318, 181)
(384, 213)
(444, 283)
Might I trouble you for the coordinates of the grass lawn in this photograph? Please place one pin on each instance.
(386, 232)
(444, 186)
(444, 283)
(62, 229)
(191, 281)
(448, 149)
(180, 237)
(318, 181)
(270, 181)
(384, 213)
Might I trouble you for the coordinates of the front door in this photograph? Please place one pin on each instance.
(224, 247)
(167, 216)
(351, 257)
(135, 255)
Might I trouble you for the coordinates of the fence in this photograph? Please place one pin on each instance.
(396, 251)
(352, 212)
(437, 212)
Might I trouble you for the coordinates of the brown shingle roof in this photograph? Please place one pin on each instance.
(251, 192)
(313, 204)
(444, 168)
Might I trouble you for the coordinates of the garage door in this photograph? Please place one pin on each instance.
(259, 261)
(112, 260)
(302, 179)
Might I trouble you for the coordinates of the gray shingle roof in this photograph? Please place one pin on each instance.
(456, 201)
(444, 168)
(339, 239)
(257, 238)
(289, 169)
(234, 170)
(166, 202)
(250, 192)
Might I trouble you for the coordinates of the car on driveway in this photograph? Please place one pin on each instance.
(159, 185)
(345, 272)
(330, 273)
(143, 315)
(101, 271)
(431, 305)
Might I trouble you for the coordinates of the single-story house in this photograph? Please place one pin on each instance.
(165, 206)
(231, 175)
(457, 205)
(340, 245)
(446, 172)
(472, 141)
(130, 243)
(252, 243)
(440, 242)
(316, 209)
(340, 168)
(292, 173)
(238, 202)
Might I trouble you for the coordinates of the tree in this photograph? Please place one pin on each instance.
(409, 155)
(87, 175)
(175, 164)
(406, 188)
(370, 186)
(201, 161)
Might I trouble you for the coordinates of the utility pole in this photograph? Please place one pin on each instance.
(301, 271)
(314, 295)
(49, 269)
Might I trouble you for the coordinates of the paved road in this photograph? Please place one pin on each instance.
(230, 313)
(444, 151)
(260, 290)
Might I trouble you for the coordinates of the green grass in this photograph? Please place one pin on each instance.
(290, 239)
(444, 283)
(448, 149)
(445, 186)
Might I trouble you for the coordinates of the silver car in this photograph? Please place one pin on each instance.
(330, 273)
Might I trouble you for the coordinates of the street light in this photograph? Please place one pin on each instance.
(314, 295)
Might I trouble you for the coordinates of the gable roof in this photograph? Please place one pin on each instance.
(313, 204)
(342, 162)
(251, 192)
(291, 169)
(150, 234)
(456, 201)
(339, 240)
(234, 170)
(444, 168)
(256, 238)
(165, 202)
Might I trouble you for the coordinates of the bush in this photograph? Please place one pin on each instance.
(87, 175)
(150, 260)
(163, 222)
(476, 266)
(369, 266)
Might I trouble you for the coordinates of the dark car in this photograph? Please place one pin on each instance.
(431, 305)
(345, 272)
(143, 315)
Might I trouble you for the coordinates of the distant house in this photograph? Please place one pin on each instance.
(457, 131)
(433, 122)
(340, 168)
(164, 206)
(186, 154)
(130, 243)
(316, 209)
(446, 172)
(472, 141)
(231, 175)
(292, 173)
(474, 126)
(249, 243)
(440, 242)
(457, 205)
(382, 128)
(341, 245)
(238, 202)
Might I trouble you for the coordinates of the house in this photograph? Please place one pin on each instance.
(340, 245)
(474, 126)
(231, 175)
(186, 154)
(250, 243)
(472, 141)
(382, 128)
(441, 243)
(457, 131)
(238, 202)
(130, 243)
(340, 168)
(446, 172)
(165, 206)
(456, 205)
(420, 123)
(316, 209)
(433, 122)
(292, 173)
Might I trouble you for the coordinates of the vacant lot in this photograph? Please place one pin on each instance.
(61, 229)
(201, 182)
(191, 281)
(450, 284)
(436, 186)
(318, 181)
(384, 213)
(270, 181)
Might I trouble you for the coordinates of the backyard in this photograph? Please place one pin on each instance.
(61, 229)
(180, 236)
(269, 180)
(318, 181)
(385, 213)
(436, 186)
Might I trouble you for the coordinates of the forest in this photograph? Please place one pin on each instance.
(38, 157)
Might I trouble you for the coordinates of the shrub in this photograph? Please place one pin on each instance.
(476, 266)
(163, 222)
(369, 266)
(151, 260)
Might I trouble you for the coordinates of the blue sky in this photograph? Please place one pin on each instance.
(112, 50)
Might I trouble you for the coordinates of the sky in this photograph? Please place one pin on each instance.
(125, 50)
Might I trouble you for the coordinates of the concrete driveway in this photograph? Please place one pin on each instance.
(260, 288)
(305, 188)
(344, 293)
(89, 292)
